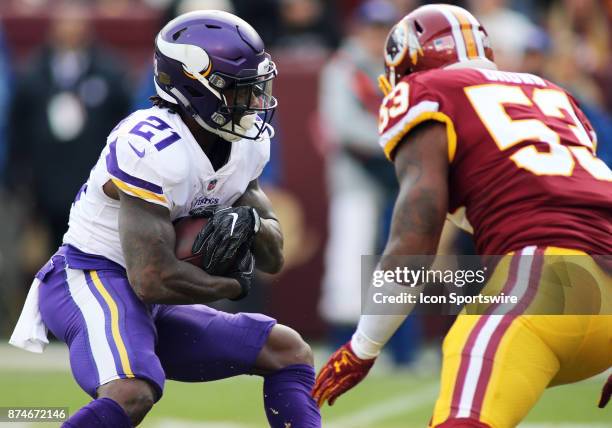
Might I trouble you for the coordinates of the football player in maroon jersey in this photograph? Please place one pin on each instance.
(511, 158)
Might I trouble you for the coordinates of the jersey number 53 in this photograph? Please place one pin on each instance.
(490, 102)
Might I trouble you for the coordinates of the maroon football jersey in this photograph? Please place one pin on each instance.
(522, 164)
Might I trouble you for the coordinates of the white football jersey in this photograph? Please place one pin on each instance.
(152, 155)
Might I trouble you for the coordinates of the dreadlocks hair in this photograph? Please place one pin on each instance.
(162, 103)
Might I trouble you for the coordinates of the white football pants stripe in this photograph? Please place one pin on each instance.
(95, 322)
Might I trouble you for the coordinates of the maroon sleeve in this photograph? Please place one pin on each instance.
(410, 103)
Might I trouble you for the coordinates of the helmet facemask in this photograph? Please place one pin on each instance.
(243, 103)
(246, 103)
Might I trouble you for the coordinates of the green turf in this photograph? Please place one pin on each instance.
(239, 400)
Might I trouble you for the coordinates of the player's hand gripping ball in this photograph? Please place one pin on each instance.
(227, 237)
(342, 372)
(244, 272)
(219, 242)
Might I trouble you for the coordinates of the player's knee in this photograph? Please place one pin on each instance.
(293, 349)
(302, 353)
(462, 423)
(135, 396)
(285, 347)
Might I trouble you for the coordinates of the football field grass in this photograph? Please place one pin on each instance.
(386, 399)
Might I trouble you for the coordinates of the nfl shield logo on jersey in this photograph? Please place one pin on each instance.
(211, 185)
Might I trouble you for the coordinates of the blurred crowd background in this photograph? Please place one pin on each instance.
(70, 70)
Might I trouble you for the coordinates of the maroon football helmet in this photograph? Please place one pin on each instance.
(433, 36)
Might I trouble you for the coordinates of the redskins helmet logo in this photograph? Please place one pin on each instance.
(397, 45)
(402, 40)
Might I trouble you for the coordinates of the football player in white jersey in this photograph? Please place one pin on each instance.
(131, 313)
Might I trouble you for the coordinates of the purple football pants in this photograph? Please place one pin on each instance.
(111, 334)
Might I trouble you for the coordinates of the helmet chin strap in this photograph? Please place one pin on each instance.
(384, 85)
(247, 122)
(265, 130)
(269, 129)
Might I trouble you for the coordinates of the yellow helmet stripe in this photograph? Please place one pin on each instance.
(466, 31)
(476, 32)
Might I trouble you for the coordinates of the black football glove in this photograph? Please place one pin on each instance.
(244, 272)
(226, 238)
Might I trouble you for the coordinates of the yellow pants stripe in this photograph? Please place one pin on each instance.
(112, 306)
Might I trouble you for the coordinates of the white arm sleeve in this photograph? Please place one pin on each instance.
(374, 331)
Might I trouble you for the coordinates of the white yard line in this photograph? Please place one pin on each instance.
(21, 425)
(160, 423)
(380, 411)
(180, 423)
(55, 358)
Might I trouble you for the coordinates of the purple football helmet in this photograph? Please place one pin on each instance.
(212, 64)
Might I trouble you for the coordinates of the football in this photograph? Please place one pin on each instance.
(186, 230)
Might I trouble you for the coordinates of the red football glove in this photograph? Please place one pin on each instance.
(343, 371)
(606, 392)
